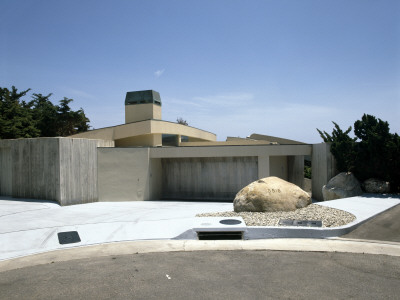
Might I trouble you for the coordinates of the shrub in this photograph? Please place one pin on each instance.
(342, 147)
(373, 153)
(307, 169)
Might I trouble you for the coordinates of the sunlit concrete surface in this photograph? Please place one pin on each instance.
(363, 208)
(30, 226)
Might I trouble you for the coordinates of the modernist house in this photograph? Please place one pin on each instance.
(147, 158)
(144, 126)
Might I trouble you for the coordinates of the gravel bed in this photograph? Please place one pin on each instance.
(330, 217)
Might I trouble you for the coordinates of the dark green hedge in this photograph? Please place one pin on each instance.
(374, 152)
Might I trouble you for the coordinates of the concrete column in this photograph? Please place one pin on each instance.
(155, 179)
(323, 167)
(296, 170)
(178, 140)
(263, 167)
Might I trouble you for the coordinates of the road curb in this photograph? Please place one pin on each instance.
(161, 246)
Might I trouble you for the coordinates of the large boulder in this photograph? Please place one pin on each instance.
(376, 186)
(270, 194)
(343, 185)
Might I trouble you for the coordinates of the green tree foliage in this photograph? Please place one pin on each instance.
(373, 153)
(45, 115)
(342, 147)
(181, 121)
(16, 120)
(38, 117)
(70, 122)
(377, 151)
(307, 169)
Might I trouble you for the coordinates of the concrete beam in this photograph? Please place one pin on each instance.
(231, 151)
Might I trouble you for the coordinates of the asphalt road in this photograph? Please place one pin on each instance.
(210, 275)
(384, 227)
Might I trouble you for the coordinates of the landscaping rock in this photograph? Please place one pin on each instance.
(270, 194)
(343, 185)
(374, 185)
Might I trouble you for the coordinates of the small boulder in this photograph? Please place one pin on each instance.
(270, 194)
(376, 186)
(343, 185)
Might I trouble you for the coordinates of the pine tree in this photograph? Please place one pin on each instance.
(38, 117)
(16, 119)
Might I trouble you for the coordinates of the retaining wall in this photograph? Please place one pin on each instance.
(60, 169)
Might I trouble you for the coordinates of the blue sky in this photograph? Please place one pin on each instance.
(281, 68)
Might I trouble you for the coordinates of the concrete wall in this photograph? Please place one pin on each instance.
(322, 168)
(296, 170)
(207, 178)
(78, 170)
(36, 169)
(124, 174)
(5, 169)
(141, 112)
(134, 174)
(60, 169)
(68, 170)
(128, 174)
(278, 167)
(141, 140)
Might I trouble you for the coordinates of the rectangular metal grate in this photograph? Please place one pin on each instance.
(286, 222)
(68, 237)
(220, 235)
(303, 223)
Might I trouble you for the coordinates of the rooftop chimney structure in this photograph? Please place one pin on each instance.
(142, 105)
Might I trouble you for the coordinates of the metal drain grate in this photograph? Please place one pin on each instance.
(68, 237)
(284, 222)
(230, 222)
(220, 235)
(303, 223)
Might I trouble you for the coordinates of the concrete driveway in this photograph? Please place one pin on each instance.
(334, 268)
(30, 226)
(384, 227)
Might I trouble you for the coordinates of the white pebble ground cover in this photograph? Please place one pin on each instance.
(330, 217)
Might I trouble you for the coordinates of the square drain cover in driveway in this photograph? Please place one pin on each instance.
(68, 237)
